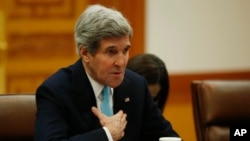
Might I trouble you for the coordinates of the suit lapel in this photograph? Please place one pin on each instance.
(121, 96)
(83, 94)
(81, 86)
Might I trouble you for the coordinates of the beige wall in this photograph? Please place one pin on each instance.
(197, 40)
(199, 36)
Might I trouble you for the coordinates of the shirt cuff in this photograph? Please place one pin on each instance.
(108, 133)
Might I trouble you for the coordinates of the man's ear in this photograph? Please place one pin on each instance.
(84, 54)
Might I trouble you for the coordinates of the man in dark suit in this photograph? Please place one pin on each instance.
(70, 102)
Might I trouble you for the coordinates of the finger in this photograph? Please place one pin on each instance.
(123, 121)
(97, 113)
(123, 126)
(123, 133)
(119, 114)
(124, 116)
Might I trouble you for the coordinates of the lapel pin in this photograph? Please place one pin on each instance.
(127, 99)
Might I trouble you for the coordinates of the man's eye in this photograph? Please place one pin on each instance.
(111, 51)
(126, 50)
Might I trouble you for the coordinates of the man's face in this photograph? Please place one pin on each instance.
(108, 65)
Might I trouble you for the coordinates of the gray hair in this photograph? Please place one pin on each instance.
(98, 22)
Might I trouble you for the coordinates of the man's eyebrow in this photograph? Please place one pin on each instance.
(110, 47)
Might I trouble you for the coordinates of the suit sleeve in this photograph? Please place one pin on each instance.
(51, 124)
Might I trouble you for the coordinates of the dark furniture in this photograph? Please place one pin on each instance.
(219, 105)
(17, 116)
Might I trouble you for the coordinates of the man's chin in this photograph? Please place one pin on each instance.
(115, 83)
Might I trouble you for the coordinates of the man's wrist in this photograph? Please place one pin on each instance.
(108, 133)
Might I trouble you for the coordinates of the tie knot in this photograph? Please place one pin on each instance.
(105, 90)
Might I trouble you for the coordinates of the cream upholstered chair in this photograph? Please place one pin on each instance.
(218, 105)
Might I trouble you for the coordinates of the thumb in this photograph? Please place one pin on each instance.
(119, 113)
(97, 113)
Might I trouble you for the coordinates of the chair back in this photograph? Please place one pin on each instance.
(219, 104)
(17, 117)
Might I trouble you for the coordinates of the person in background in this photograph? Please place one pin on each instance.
(97, 98)
(153, 69)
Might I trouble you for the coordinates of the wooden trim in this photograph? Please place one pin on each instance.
(181, 83)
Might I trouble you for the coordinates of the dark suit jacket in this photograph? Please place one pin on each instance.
(64, 104)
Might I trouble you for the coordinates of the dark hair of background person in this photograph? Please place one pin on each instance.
(153, 69)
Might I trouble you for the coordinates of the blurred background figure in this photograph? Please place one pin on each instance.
(153, 69)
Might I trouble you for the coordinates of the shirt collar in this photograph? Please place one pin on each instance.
(97, 87)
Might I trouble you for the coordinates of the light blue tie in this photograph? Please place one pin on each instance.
(105, 105)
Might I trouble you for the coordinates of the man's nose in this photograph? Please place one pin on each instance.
(121, 60)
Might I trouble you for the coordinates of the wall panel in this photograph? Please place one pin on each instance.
(40, 37)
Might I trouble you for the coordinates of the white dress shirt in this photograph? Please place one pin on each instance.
(97, 88)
